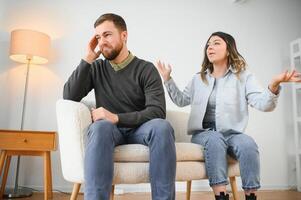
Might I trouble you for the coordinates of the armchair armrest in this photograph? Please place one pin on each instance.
(73, 119)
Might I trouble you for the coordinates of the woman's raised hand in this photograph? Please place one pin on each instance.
(287, 76)
(164, 70)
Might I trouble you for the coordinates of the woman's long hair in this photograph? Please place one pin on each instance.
(236, 60)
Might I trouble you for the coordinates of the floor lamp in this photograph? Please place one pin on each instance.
(30, 47)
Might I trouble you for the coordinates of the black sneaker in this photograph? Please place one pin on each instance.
(252, 196)
(222, 196)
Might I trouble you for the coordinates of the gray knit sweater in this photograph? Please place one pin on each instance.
(135, 93)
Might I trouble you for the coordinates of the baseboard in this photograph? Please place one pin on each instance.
(180, 187)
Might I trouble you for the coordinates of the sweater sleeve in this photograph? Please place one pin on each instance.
(155, 106)
(79, 83)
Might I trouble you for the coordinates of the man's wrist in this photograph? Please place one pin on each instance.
(116, 118)
(89, 59)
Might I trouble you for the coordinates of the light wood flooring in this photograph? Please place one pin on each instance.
(262, 195)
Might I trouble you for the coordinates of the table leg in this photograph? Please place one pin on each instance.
(2, 159)
(47, 176)
(4, 178)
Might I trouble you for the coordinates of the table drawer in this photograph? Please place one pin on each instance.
(27, 141)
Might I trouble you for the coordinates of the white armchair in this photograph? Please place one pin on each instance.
(131, 161)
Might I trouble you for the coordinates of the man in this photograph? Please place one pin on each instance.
(130, 109)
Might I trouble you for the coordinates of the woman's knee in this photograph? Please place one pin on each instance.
(210, 138)
(245, 145)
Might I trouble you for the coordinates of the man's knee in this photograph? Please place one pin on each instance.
(100, 128)
(163, 129)
(101, 124)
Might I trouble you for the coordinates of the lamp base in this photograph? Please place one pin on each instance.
(11, 193)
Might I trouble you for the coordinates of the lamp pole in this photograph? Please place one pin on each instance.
(17, 192)
(29, 47)
(25, 92)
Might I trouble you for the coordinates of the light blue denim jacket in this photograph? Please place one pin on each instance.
(232, 99)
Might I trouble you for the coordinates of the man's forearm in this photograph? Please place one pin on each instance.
(134, 119)
(79, 83)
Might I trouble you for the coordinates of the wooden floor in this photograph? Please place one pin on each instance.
(262, 195)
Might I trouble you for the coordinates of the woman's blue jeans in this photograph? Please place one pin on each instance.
(239, 146)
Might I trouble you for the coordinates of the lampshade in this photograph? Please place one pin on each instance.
(28, 44)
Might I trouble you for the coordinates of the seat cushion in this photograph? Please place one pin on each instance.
(140, 153)
(131, 173)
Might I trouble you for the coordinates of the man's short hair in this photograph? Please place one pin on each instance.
(116, 19)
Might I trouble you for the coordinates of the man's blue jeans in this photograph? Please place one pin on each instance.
(103, 136)
(237, 145)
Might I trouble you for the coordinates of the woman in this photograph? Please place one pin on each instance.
(219, 96)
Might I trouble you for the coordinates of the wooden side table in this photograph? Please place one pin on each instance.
(27, 143)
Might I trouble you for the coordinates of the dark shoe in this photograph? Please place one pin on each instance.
(251, 197)
(222, 196)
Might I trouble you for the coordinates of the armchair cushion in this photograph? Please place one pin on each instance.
(137, 172)
(140, 153)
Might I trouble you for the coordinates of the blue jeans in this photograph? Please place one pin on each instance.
(237, 145)
(103, 136)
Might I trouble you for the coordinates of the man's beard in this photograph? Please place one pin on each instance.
(111, 55)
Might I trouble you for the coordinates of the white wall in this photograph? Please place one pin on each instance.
(174, 31)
